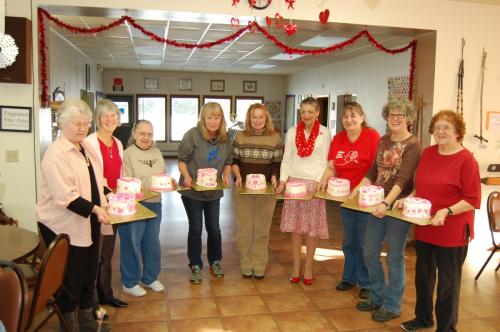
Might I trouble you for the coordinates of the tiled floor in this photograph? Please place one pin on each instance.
(273, 304)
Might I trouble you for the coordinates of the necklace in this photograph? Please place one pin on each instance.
(110, 149)
(305, 146)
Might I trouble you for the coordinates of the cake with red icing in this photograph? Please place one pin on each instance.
(129, 185)
(206, 177)
(255, 182)
(370, 195)
(415, 207)
(338, 187)
(122, 204)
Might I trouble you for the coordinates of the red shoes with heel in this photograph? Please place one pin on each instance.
(294, 280)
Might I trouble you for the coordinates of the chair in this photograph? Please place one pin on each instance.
(30, 267)
(493, 209)
(49, 281)
(15, 296)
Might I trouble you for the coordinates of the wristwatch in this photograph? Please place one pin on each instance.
(450, 211)
(387, 205)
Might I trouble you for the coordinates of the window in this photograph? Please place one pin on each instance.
(242, 105)
(225, 103)
(154, 109)
(184, 115)
(125, 106)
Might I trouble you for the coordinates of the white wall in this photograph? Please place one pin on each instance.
(365, 76)
(452, 20)
(270, 87)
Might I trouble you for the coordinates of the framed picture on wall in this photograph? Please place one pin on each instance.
(217, 85)
(15, 118)
(185, 85)
(151, 83)
(249, 86)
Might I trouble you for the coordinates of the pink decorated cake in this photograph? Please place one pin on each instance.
(207, 177)
(122, 204)
(161, 182)
(255, 182)
(338, 187)
(295, 189)
(129, 185)
(370, 195)
(414, 207)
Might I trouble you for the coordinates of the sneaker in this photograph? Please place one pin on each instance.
(382, 315)
(414, 325)
(247, 273)
(156, 286)
(136, 291)
(367, 306)
(195, 274)
(216, 270)
(364, 293)
(344, 285)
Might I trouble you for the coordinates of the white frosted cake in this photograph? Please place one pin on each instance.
(207, 177)
(129, 185)
(338, 187)
(415, 207)
(370, 195)
(295, 189)
(161, 182)
(255, 182)
(122, 204)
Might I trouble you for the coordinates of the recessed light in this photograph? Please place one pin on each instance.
(149, 62)
(321, 41)
(286, 56)
(261, 66)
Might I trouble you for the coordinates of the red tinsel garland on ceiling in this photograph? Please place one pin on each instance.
(251, 26)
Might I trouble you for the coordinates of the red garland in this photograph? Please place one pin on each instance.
(305, 147)
(42, 14)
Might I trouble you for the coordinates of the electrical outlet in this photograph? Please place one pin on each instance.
(12, 156)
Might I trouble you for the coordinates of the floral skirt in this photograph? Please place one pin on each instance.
(305, 217)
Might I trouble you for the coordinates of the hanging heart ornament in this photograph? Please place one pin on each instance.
(290, 28)
(269, 21)
(323, 16)
(278, 20)
(235, 22)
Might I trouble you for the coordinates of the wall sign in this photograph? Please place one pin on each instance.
(14, 118)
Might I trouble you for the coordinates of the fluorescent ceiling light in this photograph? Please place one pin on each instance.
(320, 41)
(261, 66)
(148, 50)
(149, 62)
(286, 56)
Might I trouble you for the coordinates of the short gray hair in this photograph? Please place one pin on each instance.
(72, 108)
(402, 104)
(105, 106)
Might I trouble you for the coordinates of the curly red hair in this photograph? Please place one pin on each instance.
(452, 117)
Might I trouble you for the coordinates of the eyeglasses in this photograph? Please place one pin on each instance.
(396, 116)
(84, 125)
(443, 128)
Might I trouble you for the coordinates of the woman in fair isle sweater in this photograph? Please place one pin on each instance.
(256, 150)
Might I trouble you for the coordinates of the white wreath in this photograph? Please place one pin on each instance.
(8, 51)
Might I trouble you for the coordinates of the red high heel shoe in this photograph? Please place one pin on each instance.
(308, 282)
(294, 280)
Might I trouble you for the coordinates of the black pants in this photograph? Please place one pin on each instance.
(448, 263)
(78, 287)
(104, 289)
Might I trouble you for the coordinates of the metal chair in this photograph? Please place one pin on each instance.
(15, 297)
(49, 281)
(493, 209)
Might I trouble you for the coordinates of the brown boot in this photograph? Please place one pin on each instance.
(87, 322)
(71, 320)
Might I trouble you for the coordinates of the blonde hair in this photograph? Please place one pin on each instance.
(402, 104)
(212, 109)
(131, 139)
(311, 101)
(105, 106)
(268, 129)
(355, 107)
(72, 108)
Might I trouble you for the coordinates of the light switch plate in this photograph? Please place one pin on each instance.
(12, 156)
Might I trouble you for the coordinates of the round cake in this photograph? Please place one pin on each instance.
(122, 204)
(255, 182)
(370, 195)
(206, 177)
(415, 207)
(338, 187)
(295, 189)
(129, 185)
(161, 182)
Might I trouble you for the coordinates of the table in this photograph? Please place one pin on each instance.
(17, 243)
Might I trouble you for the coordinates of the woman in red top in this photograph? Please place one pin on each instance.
(351, 155)
(448, 176)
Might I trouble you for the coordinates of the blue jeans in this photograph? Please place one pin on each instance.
(140, 243)
(387, 294)
(195, 210)
(354, 225)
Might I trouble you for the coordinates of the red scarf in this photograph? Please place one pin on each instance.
(306, 147)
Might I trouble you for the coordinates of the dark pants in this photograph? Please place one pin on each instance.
(104, 289)
(448, 263)
(195, 210)
(77, 291)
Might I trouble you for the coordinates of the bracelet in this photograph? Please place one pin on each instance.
(387, 205)
(450, 211)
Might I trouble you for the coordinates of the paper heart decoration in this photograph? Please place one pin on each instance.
(323, 16)
(269, 21)
(235, 22)
(278, 20)
(290, 28)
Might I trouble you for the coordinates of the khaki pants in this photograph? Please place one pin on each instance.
(254, 215)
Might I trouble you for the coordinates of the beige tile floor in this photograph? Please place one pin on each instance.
(273, 304)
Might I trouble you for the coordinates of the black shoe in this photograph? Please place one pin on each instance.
(117, 303)
(344, 285)
(382, 315)
(364, 293)
(258, 276)
(414, 325)
(367, 306)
